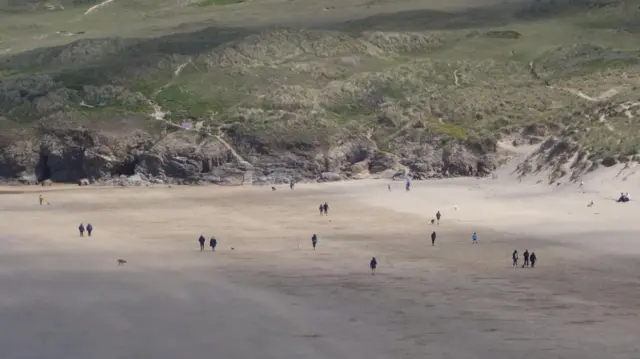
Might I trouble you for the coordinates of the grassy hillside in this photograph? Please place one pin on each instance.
(467, 73)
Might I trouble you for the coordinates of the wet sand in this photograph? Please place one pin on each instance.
(63, 296)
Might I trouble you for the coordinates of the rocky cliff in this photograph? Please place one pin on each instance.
(343, 100)
(64, 152)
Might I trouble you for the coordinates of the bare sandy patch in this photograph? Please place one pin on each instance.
(273, 294)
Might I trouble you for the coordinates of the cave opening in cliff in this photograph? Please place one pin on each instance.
(206, 166)
(43, 171)
(126, 168)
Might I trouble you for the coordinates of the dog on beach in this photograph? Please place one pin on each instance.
(433, 221)
(273, 188)
(121, 262)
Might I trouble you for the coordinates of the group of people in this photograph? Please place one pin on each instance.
(529, 259)
(213, 242)
(82, 228)
(624, 197)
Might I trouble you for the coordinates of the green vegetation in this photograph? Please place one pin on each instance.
(218, 2)
(467, 77)
(452, 130)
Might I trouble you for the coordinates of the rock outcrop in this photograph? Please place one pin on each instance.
(64, 153)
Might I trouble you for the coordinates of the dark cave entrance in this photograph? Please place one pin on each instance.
(206, 166)
(43, 172)
(126, 168)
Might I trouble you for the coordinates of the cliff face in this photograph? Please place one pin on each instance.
(64, 153)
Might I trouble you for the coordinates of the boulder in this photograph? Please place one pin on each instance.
(28, 179)
(330, 177)
(381, 162)
(609, 161)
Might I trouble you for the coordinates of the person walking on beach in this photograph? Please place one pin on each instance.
(81, 229)
(515, 258)
(41, 199)
(314, 241)
(373, 264)
(433, 238)
(321, 208)
(438, 215)
(474, 237)
(325, 207)
(389, 187)
(213, 243)
(525, 255)
(408, 185)
(201, 240)
(89, 229)
(533, 259)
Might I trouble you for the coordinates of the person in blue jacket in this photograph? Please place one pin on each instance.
(89, 229)
(201, 240)
(314, 241)
(373, 264)
(81, 229)
(474, 237)
(213, 243)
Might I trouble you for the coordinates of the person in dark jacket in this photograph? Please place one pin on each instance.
(314, 241)
(213, 243)
(433, 238)
(515, 258)
(321, 208)
(373, 264)
(201, 240)
(81, 229)
(89, 229)
(325, 207)
(438, 215)
(525, 255)
(533, 259)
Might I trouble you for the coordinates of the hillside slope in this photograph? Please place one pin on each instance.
(426, 93)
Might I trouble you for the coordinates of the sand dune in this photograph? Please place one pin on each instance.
(64, 296)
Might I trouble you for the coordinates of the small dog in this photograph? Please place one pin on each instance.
(273, 188)
(121, 262)
(433, 221)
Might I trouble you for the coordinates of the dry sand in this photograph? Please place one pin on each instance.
(64, 296)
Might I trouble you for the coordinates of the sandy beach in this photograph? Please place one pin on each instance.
(272, 296)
